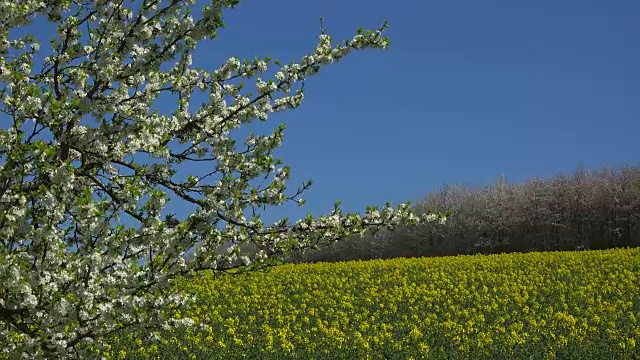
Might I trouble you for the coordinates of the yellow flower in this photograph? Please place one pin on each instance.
(480, 305)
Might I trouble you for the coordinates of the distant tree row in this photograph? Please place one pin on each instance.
(586, 210)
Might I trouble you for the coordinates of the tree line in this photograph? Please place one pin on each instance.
(588, 209)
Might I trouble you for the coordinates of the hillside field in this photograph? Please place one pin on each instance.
(564, 305)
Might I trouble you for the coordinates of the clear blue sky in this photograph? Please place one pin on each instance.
(468, 90)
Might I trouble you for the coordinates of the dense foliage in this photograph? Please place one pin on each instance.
(564, 305)
(585, 210)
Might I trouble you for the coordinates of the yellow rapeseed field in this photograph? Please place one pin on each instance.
(558, 305)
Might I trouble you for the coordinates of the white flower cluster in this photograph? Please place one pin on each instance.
(69, 273)
(435, 217)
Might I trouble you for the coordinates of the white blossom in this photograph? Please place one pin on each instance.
(431, 217)
(71, 263)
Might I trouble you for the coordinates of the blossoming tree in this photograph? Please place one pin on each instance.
(73, 130)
